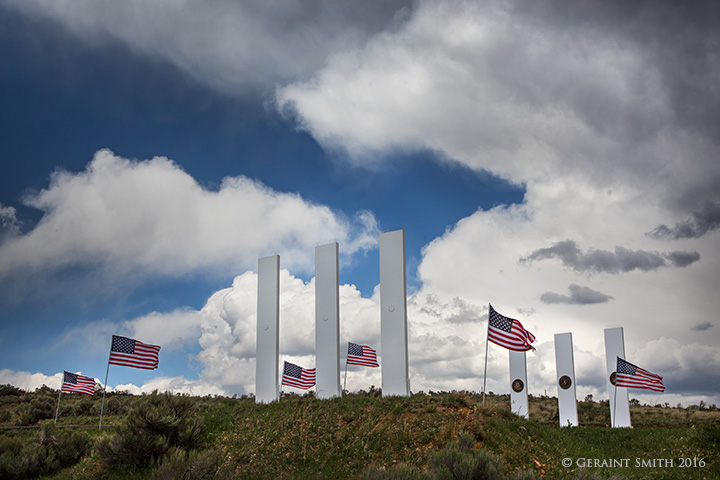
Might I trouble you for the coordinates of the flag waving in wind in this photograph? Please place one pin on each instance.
(509, 333)
(72, 382)
(632, 376)
(361, 355)
(296, 376)
(133, 353)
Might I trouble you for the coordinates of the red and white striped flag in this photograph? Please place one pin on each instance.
(296, 376)
(509, 333)
(632, 376)
(361, 355)
(133, 353)
(73, 382)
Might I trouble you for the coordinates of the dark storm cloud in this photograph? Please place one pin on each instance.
(603, 261)
(235, 47)
(579, 295)
(682, 40)
(682, 259)
(680, 43)
(701, 327)
(700, 222)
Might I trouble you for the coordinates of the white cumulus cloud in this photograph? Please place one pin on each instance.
(151, 217)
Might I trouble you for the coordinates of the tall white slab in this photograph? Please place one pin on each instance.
(619, 404)
(565, 367)
(327, 322)
(518, 384)
(393, 315)
(268, 329)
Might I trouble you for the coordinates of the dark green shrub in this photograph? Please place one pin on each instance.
(458, 461)
(39, 408)
(6, 390)
(524, 475)
(85, 407)
(53, 451)
(157, 423)
(191, 466)
(708, 435)
(117, 405)
(585, 474)
(398, 472)
(458, 399)
(68, 447)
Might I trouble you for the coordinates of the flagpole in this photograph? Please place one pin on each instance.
(345, 381)
(487, 343)
(102, 406)
(57, 410)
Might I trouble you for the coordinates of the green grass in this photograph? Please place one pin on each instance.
(365, 436)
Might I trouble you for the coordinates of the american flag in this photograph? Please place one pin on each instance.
(361, 355)
(133, 353)
(72, 382)
(509, 333)
(632, 376)
(296, 376)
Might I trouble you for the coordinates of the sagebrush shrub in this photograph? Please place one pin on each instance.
(191, 466)
(37, 409)
(398, 472)
(458, 461)
(156, 424)
(53, 451)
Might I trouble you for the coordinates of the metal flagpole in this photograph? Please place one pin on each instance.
(57, 410)
(102, 406)
(487, 343)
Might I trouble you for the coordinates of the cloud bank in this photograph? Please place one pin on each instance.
(235, 47)
(446, 337)
(621, 260)
(151, 218)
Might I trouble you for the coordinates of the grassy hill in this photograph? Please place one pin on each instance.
(364, 436)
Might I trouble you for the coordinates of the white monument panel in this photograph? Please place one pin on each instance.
(393, 315)
(619, 405)
(268, 323)
(518, 384)
(565, 365)
(327, 322)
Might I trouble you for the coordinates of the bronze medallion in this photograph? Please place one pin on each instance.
(565, 382)
(612, 378)
(518, 385)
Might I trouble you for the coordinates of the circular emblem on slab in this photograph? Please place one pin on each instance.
(266, 326)
(325, 318)
(517, 385)
(391, 308)
(612, 377)
(565, 382)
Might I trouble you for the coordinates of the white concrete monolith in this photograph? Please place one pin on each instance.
(393, 315)
(327, 322)
(518, 384)
(268, 329)
(565, 368)
(619, 404)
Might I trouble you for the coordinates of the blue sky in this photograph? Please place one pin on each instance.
(562, 165)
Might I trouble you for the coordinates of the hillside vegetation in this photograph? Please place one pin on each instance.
(362, 435)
